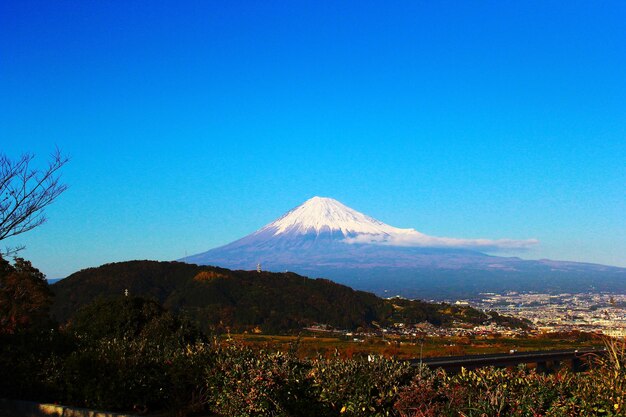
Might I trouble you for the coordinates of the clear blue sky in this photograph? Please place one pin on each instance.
(191, 124)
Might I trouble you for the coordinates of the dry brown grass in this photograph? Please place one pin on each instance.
(208, 276)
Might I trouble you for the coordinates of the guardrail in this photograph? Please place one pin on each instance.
(16, 408)
(544, 360)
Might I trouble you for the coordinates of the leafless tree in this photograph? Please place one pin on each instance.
(25, 192)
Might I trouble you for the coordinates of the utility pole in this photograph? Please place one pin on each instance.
(421, 347)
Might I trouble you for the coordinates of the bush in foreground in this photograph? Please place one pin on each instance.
(152, 361)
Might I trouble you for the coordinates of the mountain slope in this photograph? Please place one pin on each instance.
(243, 300)
(322, 231)
(323, 237)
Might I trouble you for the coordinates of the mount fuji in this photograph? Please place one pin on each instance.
(323, 237)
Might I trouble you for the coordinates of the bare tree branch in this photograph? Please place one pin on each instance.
(25, 192)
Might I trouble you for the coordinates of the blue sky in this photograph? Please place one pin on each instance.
(191, 124)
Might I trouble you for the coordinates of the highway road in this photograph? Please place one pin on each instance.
(541, 358)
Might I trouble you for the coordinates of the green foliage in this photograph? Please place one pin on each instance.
(135, 375)
(508, 321)
(132, 354)
(227, 379)
(518, 393)
(431, 395)
(249, 383)
(221, 300)
(29, 362)
(603, 390)
(443, 314)
(120, 317)
(121, 354)
(499, 392)
(132, 318)
(360, 387)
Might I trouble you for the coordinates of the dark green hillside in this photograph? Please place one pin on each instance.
(146, 278)
(243, 300)
(222, 298)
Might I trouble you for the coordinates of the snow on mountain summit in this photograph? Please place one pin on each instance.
(322, 214)
(323, 225)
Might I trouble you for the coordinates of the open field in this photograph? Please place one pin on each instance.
(310, 345)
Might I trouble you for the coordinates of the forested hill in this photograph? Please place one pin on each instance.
(242, 300)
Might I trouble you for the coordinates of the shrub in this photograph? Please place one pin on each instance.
(518, 392)
(249, 383)
(25, 298)
(362, 386)
(130, 354)
(431, 395)
(133, 375)
(602, 391)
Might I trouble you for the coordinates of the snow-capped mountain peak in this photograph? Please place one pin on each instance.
(322, 237)
(322, 214)
(324, 226)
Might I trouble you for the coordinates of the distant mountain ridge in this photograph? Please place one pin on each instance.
(323, 237)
